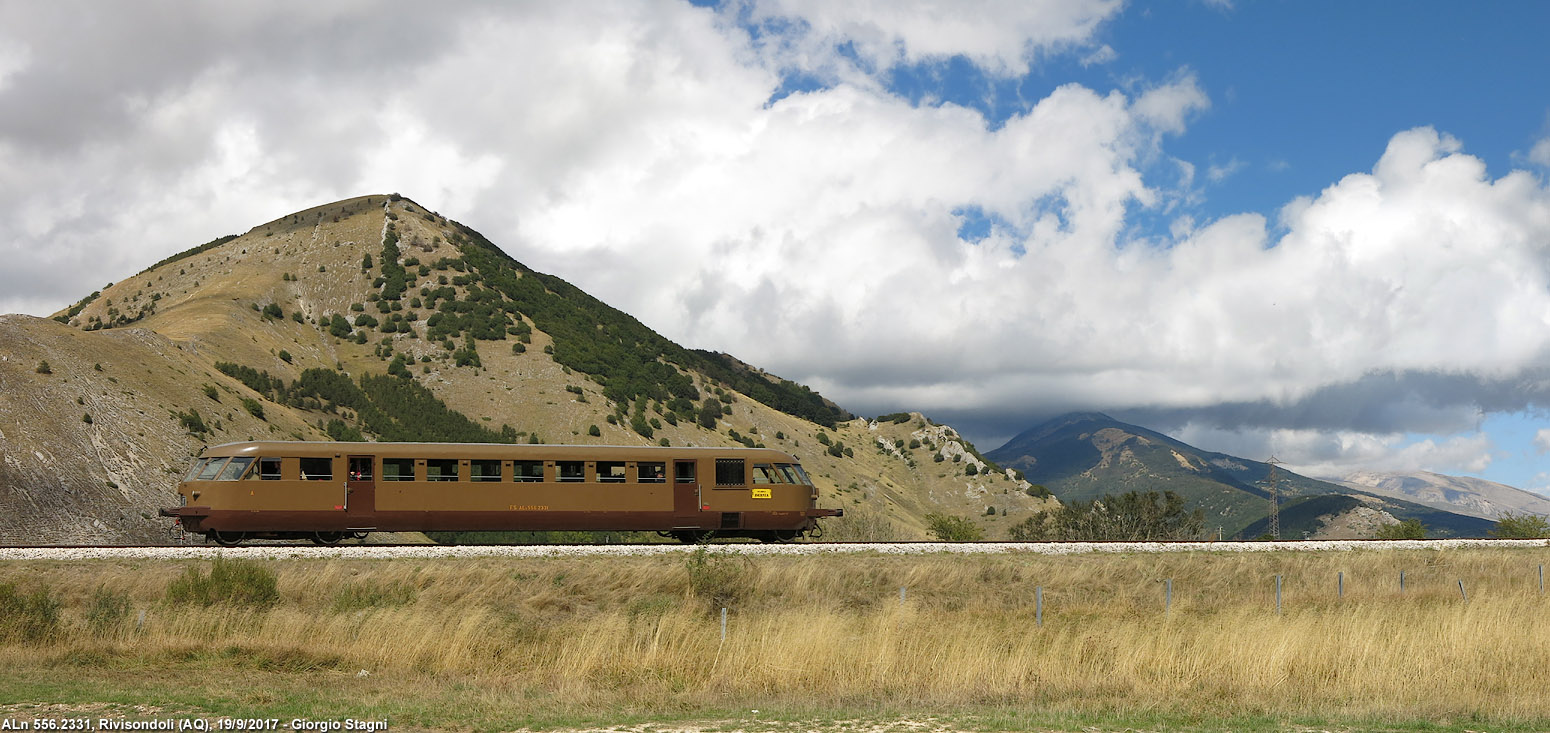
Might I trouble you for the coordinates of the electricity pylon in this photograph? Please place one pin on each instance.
(1275, 499)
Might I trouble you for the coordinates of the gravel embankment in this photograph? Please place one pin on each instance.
(914, 548)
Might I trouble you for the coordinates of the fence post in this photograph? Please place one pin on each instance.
(140, 621)
(901, 595)
(1278, 595)
(1541, 580)
(1340, 584)
(1168, 597)
(1462, 594)
(1038, 605)
(723, 625)
(1401, 581)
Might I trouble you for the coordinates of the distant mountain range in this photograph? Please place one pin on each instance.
(1087, 455)
(1462, 494)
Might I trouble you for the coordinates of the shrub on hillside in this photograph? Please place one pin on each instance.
(253, 407)
(949, 528)
(192, 422)
(1410, 529)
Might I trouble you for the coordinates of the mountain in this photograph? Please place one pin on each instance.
(1082, 456)
(376, 318)
(1460, 494)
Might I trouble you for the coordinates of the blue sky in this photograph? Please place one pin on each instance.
(1301, 93)
(1316, 230)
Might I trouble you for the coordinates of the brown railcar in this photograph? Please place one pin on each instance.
(328, 491)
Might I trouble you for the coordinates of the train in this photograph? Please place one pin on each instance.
(329, 491)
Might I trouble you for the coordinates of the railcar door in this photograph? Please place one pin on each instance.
(686, 494)
(361, 492)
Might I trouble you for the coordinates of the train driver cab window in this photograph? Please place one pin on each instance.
(236, 468)
(193, 471)
(527, 471)
(610, 472)
(268, 469)
(571, 470)
(791, 472)
(212, 468)
(398, 469)
(317, 469)
(764, 473)
(651, 473)
(731, 472)
(441, 469)
(683, 472)
(802, 474)
(484, 470)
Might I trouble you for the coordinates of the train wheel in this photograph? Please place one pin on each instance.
(226, 539)
(783, 535)
(327, 538)
(690, 537)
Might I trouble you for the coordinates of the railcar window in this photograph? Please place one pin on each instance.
(651, 473)
(802, 474)
(360, 468)
(527, 471)
(790, 472)
(193, 471)
(731, 472)
(571, 470)
(764, 473)
(610, 472)
(317, 469)
(212, 468)
(683, 472)
(398, 469)
(441, 469)
(268, 469)
(236, 468)
(484, 470)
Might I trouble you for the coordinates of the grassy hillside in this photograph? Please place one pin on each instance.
(374, 317)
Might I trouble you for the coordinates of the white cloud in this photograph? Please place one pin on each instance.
(1540, 153)
(1335, 454)
(1102, 55)
(1002, 36)
(1542, 440)
(1218, 173)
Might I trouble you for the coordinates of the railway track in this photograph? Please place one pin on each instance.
(389, 551)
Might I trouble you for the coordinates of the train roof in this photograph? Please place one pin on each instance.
(519, 451)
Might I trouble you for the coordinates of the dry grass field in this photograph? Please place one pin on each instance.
(502, 644)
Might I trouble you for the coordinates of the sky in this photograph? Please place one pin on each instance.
(1314, 230)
